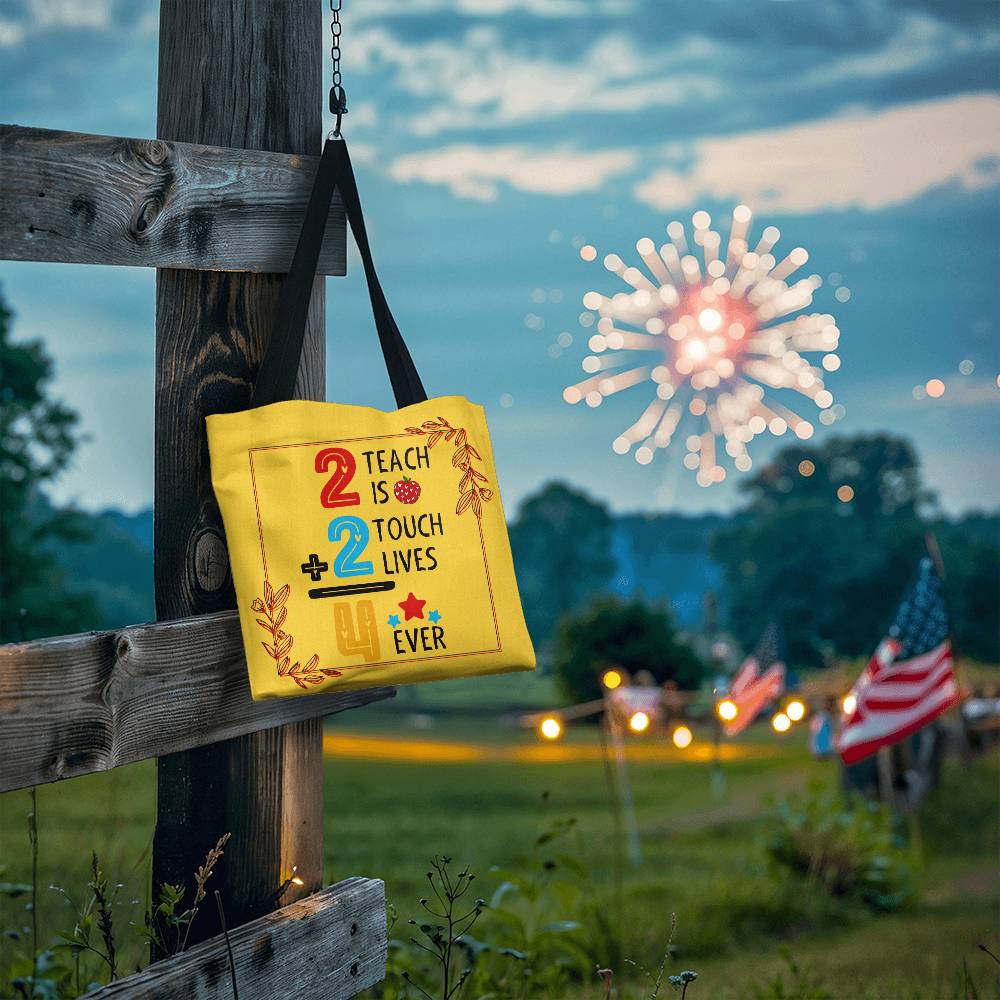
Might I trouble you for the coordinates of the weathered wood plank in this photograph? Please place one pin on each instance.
(328, 946)
(96, 199)
(245, 74)
(91, 702)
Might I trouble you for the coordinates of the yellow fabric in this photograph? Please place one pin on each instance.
(366, 547)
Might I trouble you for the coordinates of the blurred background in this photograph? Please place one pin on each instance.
(498, 143)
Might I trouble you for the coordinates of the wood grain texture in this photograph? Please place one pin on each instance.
(241, 74)
(328, 947)
(95, 199)
(91, 702)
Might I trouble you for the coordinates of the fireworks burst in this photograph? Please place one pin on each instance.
(719, 332)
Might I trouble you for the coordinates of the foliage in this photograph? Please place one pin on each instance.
(832, 572)
(37, 439)
(561, 542)
(443, 940)
(847, 848)
(166, 926)
(629, 634)
(802, 985)
(530, 943)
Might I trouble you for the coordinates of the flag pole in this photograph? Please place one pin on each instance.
(934, 551)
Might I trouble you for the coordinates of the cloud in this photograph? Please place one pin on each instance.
(867, 160)
(472, 171)
(374, 9)
(483, 82)
(40, 15)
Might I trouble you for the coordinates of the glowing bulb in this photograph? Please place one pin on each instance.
(682, 737)
(551, 728)
(849, 704)
(639, 722)
(781, 723)
(710, 320)
(727, 709)
(611, 679)
(795, 710)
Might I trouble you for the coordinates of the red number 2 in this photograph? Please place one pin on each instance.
(344, 467)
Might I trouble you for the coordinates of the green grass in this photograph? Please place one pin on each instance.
(702, 855)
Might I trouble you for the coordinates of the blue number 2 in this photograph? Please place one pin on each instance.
(345, 563)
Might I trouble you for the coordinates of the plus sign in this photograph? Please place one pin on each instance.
(314, 567)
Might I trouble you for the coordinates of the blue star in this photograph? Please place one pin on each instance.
(434, 616)
(393, 621)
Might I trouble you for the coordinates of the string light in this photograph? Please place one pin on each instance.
(639, 722)
(727, 709)
(780, 723)
(611, 679)
(682, 737)
(550, 728)
(718, 331)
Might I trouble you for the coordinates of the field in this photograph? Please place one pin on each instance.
(409, 780)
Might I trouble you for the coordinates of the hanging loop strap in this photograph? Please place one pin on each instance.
(278, 370)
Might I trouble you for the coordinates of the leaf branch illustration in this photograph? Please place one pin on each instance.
(471, 487)
(273, 614)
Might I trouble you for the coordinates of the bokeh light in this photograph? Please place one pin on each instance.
(780, 723)
(639, 722)
(727, 709)
(849, 704)
(682, 737)
(611, 679)
(795, 710)
(806, 468)
(845, 493)
(550, 727)
(934, 388)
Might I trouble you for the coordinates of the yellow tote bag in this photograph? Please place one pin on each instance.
(367, 547)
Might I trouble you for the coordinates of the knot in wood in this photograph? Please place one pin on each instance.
(211, 561)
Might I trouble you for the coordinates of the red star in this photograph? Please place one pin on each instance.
(412, 607)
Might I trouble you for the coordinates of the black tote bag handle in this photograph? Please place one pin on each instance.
(276, 377)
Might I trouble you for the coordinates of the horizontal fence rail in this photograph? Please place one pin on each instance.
(91, 702)
(328, 946)
(95, 199)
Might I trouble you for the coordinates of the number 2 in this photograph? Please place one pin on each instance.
(343, 472)
(346, 561)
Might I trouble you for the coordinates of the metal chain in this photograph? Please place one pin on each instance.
(338, 97)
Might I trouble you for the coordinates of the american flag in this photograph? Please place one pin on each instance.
(751, 690)
(909, 681)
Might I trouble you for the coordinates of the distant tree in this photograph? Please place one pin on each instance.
(970, 549)
(630, 634)
(830, 571)
(561, 541)
(882, 470)
(37, 438)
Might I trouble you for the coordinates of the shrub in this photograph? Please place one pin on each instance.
(629, 634)
(848, 847)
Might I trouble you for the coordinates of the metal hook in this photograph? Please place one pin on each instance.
(338, 107)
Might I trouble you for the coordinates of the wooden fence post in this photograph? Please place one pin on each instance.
(246, 75)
